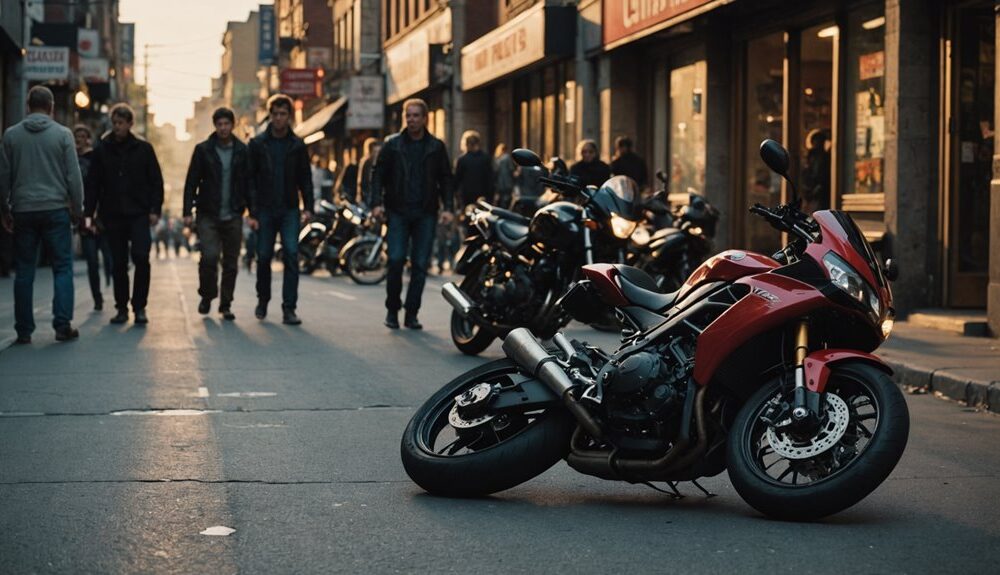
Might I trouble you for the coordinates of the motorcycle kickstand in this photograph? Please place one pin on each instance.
(673, 493)
(708, 494)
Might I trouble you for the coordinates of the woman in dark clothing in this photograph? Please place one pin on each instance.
(91, 240)
(473, 170)
(589, 169)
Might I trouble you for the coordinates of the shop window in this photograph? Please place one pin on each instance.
(817, 78)
(864, 109)
(688, 107)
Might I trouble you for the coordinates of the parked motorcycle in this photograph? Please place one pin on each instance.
(516, 267)
(321, 240)
(759, 365)
(365, 258)
(670, 254)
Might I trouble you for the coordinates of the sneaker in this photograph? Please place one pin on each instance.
(140, 317)
(120, 317)
(23, 340)
(227, 313)
(392, 319)
(412, 322)
(205, 306)
(261, 311)
(289, 317)
(66, 333)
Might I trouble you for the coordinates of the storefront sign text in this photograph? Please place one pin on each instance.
(622, 18)
(46, 63)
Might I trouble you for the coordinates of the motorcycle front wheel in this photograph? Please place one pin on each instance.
(802, 477)
(307, 265)
(358, 268)
(469, 337)
(493, 452)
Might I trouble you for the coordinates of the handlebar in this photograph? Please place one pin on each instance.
(787, 218)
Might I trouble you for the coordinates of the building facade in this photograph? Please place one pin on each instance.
(238, 78)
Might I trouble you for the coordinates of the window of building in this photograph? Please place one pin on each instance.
(688, 107)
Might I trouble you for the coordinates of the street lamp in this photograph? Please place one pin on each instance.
(82, 99)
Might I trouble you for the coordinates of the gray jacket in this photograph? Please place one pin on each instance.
(39, 169)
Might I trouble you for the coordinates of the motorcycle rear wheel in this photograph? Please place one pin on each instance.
(874, 425)
(501, 453)
(468, 337)
(355, 264)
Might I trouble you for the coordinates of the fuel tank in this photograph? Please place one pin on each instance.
(728, 266)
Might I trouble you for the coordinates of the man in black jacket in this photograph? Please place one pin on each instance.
(218, 183)
(125, 187)
(412, 180)
(627, 163)
(279, 173)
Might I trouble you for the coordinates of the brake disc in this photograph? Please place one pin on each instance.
(838, 419)
(470, 409)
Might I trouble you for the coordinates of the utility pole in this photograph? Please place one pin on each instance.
(145, 91)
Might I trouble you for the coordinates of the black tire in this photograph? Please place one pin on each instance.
(354, 264)
(470, 338)
(850, 481)
(306, 265)
(525, 454)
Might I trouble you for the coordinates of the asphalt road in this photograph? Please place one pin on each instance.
(292, 439)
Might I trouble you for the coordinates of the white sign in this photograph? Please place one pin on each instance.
(365, 103)
(88, 43)
(94, 69)
(46, 63)
(519, 43)
(408, 62)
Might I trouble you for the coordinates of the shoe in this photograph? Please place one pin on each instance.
(120, 317)
(140, 317)
(98, 304)
(66, 333)
(289, 317)
(227, 313)
(392, 319)
(412, 322)
(261, 311)
(205, 306)
(23, 340)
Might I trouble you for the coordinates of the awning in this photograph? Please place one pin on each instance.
(318, 122)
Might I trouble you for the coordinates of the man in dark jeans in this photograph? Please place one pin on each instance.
(279, 173)
(412, 180)
(40, 188)
(93, 241)
(125, 188)
(218, 183)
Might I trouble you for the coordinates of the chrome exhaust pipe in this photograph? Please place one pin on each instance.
(522, 347)
(457, 298)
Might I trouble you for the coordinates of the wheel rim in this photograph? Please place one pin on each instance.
(357, 264)
(464, 329)
(852, 414)
(437, 435)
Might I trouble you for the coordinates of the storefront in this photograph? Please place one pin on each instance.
(527, 72)
(416, 67)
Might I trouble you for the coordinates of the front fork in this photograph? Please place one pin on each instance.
(805, 405)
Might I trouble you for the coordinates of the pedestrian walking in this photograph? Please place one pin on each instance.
(322, 178)
(367, 167)
(217, 187)
(412, 182)
(93, 240)
(504, 173)
(473, 170)
(347, 182)
(125, 189)
(589, 169)
(279, 175)
(41, 189)
(627, 163)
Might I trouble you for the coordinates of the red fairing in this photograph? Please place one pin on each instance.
(728, 266)
(817, 365)
(834, 238)
(773, 301)
(604, 278)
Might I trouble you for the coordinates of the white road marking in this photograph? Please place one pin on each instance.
(202, 392)
(255, 426)
(219, 531)
(247, 394)
(341, 295)
(166, 412)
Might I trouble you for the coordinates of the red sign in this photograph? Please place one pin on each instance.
(623, 18)
(301, 82)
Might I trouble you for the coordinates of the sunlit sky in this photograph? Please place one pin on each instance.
(188, 35)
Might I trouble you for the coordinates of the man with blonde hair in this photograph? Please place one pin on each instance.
(473, 170)
(412, 181)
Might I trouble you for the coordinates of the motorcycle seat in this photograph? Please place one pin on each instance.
(639, 288)
(510, 216)
(511, 234)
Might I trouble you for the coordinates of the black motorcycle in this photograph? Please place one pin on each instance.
(332, 227)
(516, 267)
(670, 254)
(365, 258)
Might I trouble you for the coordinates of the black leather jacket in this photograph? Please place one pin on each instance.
(298, 176)
(392, 174)
(203, 186)
(124, 179)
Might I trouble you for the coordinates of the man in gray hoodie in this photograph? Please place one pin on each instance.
(40, 190)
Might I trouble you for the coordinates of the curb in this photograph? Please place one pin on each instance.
(947, 383)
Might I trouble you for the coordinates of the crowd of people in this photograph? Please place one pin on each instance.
(240, 198)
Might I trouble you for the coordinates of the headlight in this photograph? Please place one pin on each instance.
(621, 227)
(847, 278)
(347, 213)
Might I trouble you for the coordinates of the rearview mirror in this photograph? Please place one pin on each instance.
(891, 270)
(527, 158)
(775, 156)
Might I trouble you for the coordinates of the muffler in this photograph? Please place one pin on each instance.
(522, 347)
(457, 298)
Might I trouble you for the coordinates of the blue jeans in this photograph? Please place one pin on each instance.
(31, 229)
(271, 224)
(411, 234)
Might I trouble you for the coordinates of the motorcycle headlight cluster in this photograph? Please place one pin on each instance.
(848, 279)
(621, 227)
(350, 216)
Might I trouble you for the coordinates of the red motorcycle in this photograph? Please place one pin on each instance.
(759, 365)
